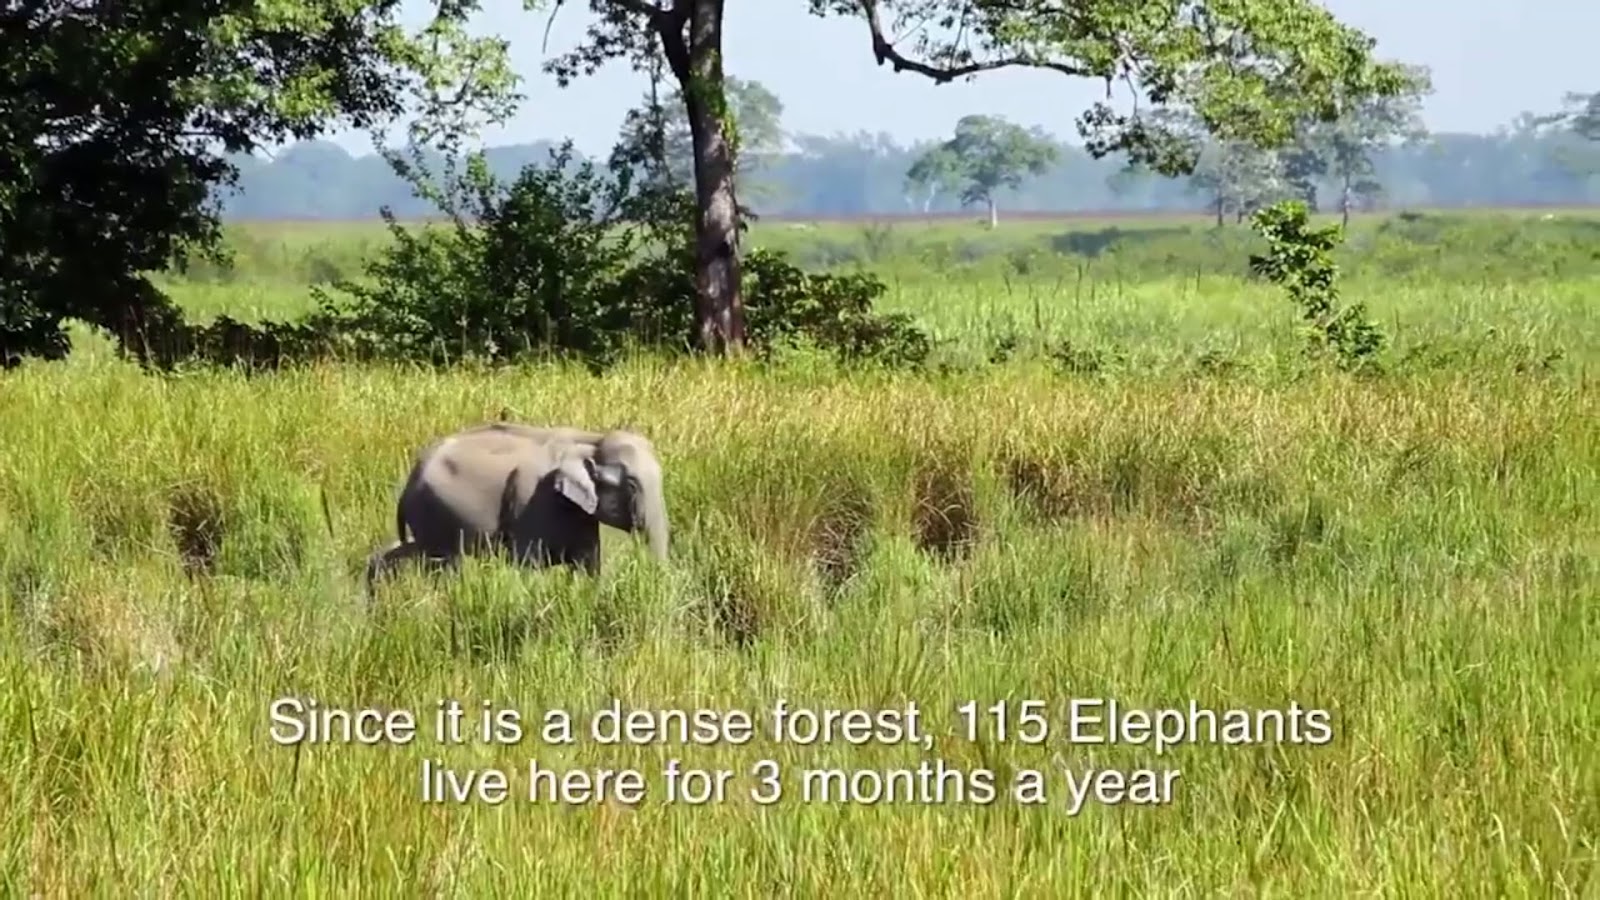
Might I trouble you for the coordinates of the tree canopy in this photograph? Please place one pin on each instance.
(119, 120)
(1583, 115)
(986, 154)
(1345, 147)
(1248, 69)
(116, 121)
(1578, 122)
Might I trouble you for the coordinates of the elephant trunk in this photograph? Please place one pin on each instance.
(653, 520)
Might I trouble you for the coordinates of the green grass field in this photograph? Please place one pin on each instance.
(1180, 513)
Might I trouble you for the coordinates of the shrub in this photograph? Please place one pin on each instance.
(536, 265)
(567, 260)
(1299, 259)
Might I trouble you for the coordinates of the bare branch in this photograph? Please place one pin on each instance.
(544, 46)
(883, 51)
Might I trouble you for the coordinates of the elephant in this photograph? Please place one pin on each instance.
(538, 493)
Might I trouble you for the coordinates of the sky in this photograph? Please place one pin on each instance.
(1491, 60)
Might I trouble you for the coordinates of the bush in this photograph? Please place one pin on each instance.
(832, 311)
(1299, 259)
(539, 265)
(566, 261)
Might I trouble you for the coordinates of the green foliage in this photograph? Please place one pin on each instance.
(1586, 120)
(1416, 557)
(1241, 176)
(833, 311)
(1580, 115)
(1485, 289)
(1345, 148)
(1238, 178)
(1299, 259)
(985, 155)
(569, 261)
(1579, 124)
(1250, 70)
(540, 264)
(119, 119)
(755, 112)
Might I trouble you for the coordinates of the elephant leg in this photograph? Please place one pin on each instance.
(380, 565)
(538, 554)
(581, 553)
(583, 547)
(587, 559)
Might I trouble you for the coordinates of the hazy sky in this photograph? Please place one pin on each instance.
(1491, 60)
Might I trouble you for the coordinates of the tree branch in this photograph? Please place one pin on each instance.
(884, 51)
(674, 45)
(645, 8)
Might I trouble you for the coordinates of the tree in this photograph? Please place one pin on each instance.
(1238, 178)
(1577, 123)
(986, 154)
(1251, 68)
(117, 121)
(757, 117)
(859, 175)
(1581, 115)
(1586, 120)
(933, 172)
(1344, 148)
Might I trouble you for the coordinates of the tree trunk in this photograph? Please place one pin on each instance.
(994, 214)
(1344, 203)
(719, 301)
(1222, 208)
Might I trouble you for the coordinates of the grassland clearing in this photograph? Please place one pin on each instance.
(1177, 512)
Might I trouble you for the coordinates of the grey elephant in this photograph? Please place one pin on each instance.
(537, 493)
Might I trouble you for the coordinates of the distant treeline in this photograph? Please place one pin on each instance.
(864, 174)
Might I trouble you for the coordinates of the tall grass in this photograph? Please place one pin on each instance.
(1464, 290)
(1466, 244)
(1164, 507)
(1416, 554)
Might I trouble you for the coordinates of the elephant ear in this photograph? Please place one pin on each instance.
(574, 479)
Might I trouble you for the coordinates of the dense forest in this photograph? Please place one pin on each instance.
(865, 174)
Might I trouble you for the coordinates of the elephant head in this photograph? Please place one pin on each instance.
(617, 479)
